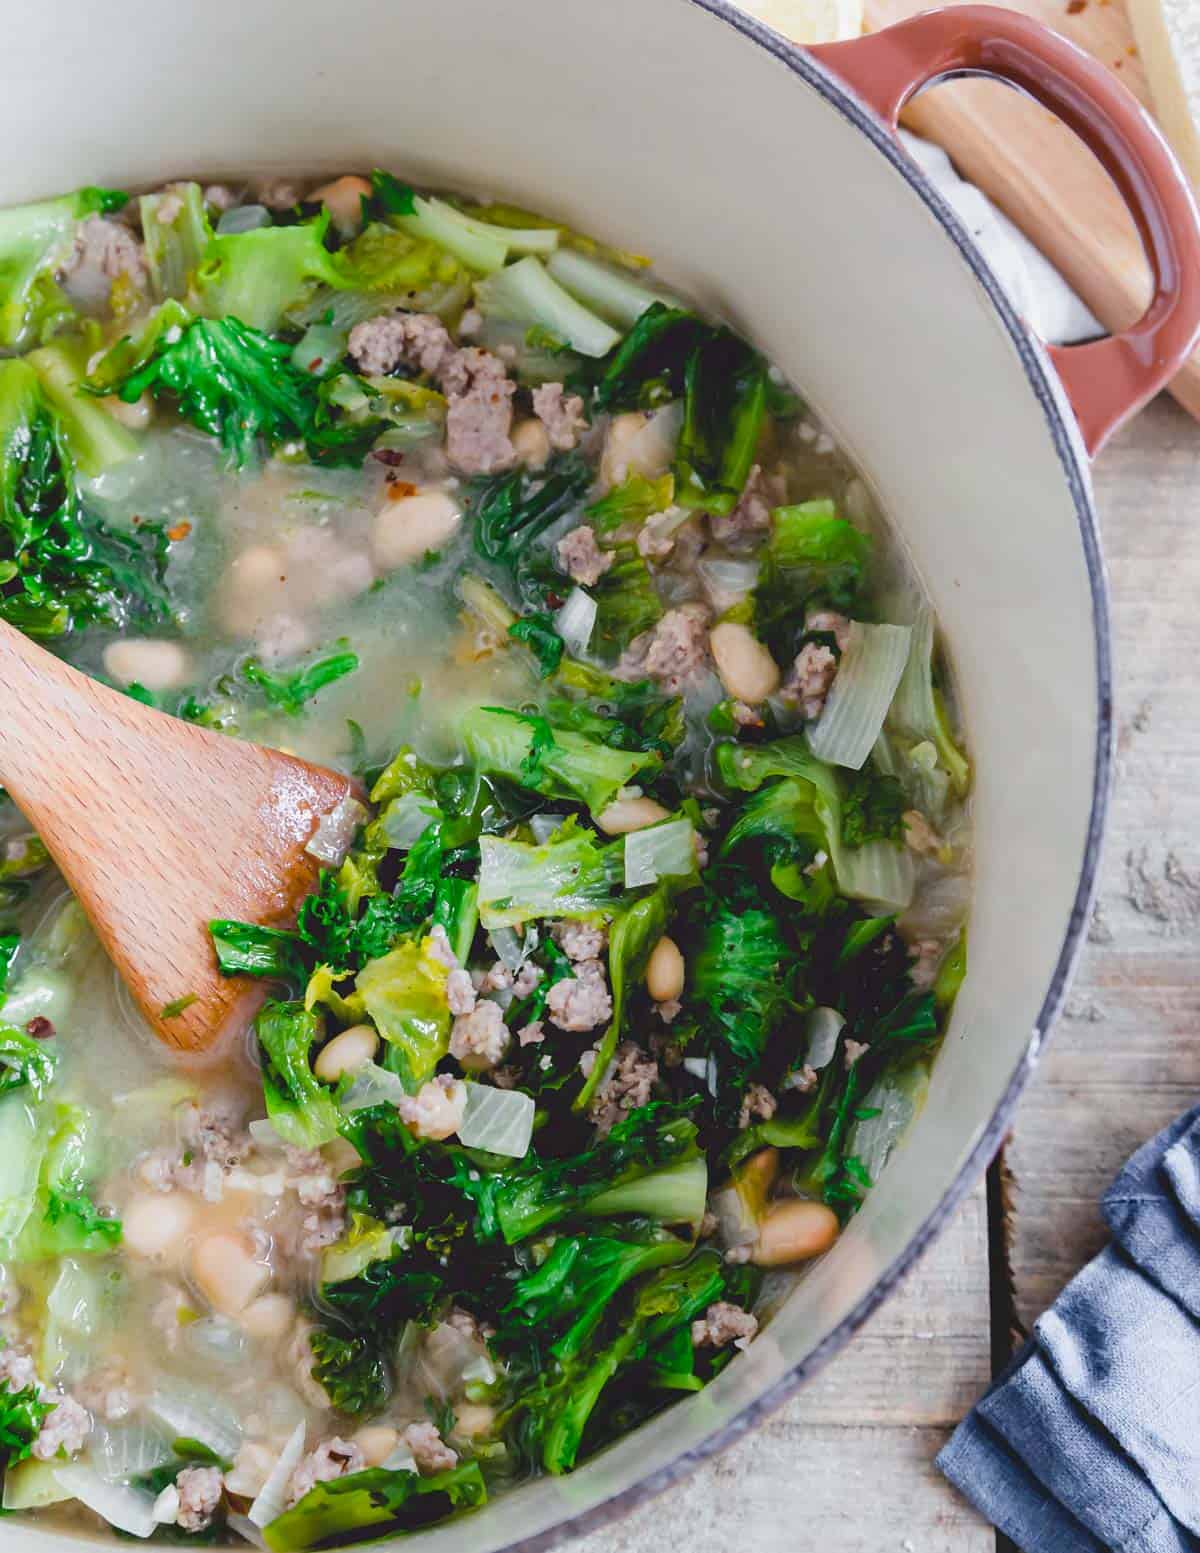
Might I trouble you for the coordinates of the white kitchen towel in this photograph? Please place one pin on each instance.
(1038, 291)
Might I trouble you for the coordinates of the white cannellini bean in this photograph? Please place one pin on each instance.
(377, 1442)
(156, 1225)
(532, 442)
(404, 530)
(619, 444)
(627, 814)
(748, 671)
(147, 661)
(664, 970)
(227, 1272)
(270, 1316)
(258, 566)
(472, 1419)
(346, 1052)
(794, 1230)
(253, 588)
(343, 200)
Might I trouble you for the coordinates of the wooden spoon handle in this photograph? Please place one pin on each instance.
(158, 826)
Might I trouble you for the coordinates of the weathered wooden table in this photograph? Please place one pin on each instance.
(848, 1464)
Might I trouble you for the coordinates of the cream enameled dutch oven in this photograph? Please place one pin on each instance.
(767, 181)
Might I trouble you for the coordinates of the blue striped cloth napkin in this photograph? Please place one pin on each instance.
(1090, 1440)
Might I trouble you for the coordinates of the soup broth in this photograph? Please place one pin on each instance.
(619, 992)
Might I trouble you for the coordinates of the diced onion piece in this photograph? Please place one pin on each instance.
(705, 1069)
(372, 1085)
(407, 818)
(127, 1509)
(575, 620)
(498, 1120)
(166, 1506)
(195, 1413)
(881, 874)
(867, 677)
(243, 218)
(331, 840)
(125, 1451)
(606, 291)
(824, 1027)
(511, 948)
(400, 1460)
(543, 826)
(319, 350)
(526, 293)
(726, 580)
(659, 851)
(272, 1497)
(246, 1529)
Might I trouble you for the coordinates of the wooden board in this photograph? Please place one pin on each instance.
(1038, 173)
(1126, 1059)
(848, 1464)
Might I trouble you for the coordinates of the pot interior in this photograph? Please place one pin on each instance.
(667, 129)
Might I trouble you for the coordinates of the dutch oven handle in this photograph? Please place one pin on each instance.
(1107, 380)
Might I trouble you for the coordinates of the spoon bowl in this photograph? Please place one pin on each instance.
(159, 826)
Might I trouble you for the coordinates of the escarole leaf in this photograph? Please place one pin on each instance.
(59, 1217)
(176, 233)
(649, 1164)
(616, 296)
(725, 402)
(627, 602)
(631, 942)
(667, 850)
(60, 567)
(918, 709)
(571, 1290)
(508, 512)
(299, 1107)
(256, 276)
(35, 241)
(867, 676)
(811, 555)
(25, 1062)
(527, 293)
(879, 872)
(559, 764)
(404, 992)
(570, 875)
(373, 1502)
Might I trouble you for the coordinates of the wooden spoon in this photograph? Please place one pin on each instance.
(159, 826)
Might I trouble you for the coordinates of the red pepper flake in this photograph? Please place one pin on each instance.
(179, 531)
(1074, 7)
(389, 456)
(40, 1028)
(315, 364)
(399, 490)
